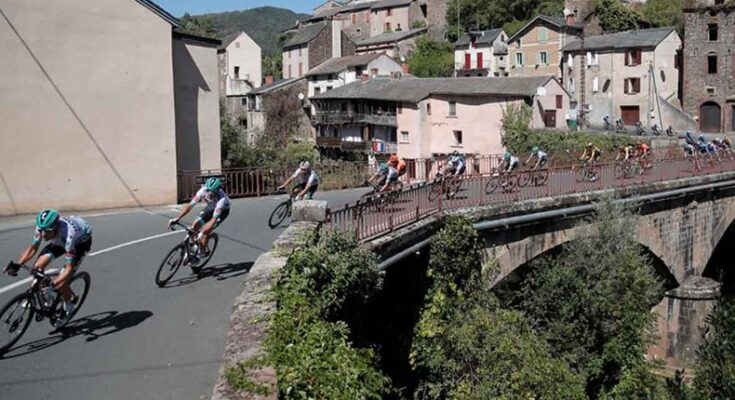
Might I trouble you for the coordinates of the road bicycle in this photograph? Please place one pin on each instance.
(283, 210)
(447, 184)
(656, 130)
(639, 129)
(506, 181)
(537, 177)
(185, 253)
(381, 200)
(38, 302)
(670, 131)
(620, 126)
(627, 169)
(587, 172)
(606, 124)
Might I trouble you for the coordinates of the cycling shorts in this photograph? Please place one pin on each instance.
(80, 250)
(310, 193)
(208, 213)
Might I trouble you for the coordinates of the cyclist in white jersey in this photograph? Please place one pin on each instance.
(390, 180)
(541, 158)
(309, 181)
(213, 215)
(68, 236)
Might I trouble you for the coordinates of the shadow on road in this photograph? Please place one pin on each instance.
(218, 272)
(93, 327)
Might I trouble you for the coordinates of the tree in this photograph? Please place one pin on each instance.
(466, 346)
(432, 59)
(592, 301)
(715, 366)
(615, 17)
(201, 26)
(272, 65)
(660, 13)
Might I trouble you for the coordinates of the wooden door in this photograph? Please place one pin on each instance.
(630, 114)
(550, 118)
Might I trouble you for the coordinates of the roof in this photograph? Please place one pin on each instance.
(203, 40)
(335, 65)
(158, 10)
(484, 37)
(390, 3)
(229, 39)
(555, 21)
(275, 86)
(417, 89)
(305, 34)
(622, 40)
(391, 37)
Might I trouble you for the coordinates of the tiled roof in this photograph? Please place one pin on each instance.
(335, 65)
(305, 34)
(275, 85)
(483, 37)
(622, 40)
(417, 89)
(390, 3)
(555, 21)
(391, 37)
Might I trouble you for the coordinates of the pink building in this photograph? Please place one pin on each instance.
(432, 117)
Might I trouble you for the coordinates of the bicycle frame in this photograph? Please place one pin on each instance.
(39, 282)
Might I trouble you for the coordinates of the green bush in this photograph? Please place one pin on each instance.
(432, 59)
(715, 367)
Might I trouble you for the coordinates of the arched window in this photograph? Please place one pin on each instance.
(709, 117)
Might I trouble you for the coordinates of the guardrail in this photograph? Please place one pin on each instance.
(369, 219)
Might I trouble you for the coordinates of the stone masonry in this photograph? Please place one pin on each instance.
(700, 86)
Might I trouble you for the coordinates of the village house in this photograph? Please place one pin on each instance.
(268, 104)
(709, 71)
(344, 70)
(311, 45)
(536, 49)
(394, 44)
(423, 118)
(631, 75)
(240, 72)
(481, 54)
(119, 98)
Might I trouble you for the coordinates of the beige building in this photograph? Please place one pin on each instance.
(423, 118)
(101, 104)
(394, 44)
(481, 53)
(629, 75)
(536, 49)
(344, 70)
(313, 44)
(239, 73)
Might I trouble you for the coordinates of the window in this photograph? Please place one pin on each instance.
(404, 136)
(387, 27)
(329, 88)
(301, 69)
(712, 32)
(663, 76)
(237, 72)
(244, 102)
(389, 12)
(606, 86)
(398, 28)
(595, 85)
(632, 85)
(289, 72)
(344, 107)
(518, 43)
(633, 57)
(457, 138)
(354, 18)
(452, 108)
(543, 58)
(711, 64)
(719, 2)
(519, 59)
(570, 87)
(710, 91)
(317, 90)
(428, 108)
(542, 36)
(559, 101)
(399, 108)
(358, 31)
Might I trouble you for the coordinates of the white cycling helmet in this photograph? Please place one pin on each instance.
(305, 165)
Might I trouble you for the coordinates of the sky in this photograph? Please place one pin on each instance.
(179, 7)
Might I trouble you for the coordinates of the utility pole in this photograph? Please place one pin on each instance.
(582, 113)
(459, 32)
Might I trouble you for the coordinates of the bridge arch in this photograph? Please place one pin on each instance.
(718, 266)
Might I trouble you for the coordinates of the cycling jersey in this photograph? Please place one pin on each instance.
(513, 163)
(310, 178)
(71, 232)
(594, 153)
(401, 168)
(392, 175)
(689, 149)
(543, 156)
(218, 198)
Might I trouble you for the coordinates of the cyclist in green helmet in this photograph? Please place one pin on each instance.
(541, 158)
(68, 236)
(213, 215)
(380, 176)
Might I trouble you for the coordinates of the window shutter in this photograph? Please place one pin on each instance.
(627, 58)
(570, 61)
(595, 84)
(589, 58)
(626, 83)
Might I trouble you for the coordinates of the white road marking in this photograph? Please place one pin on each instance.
(96, 253)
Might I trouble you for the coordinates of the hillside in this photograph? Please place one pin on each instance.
(263, 24)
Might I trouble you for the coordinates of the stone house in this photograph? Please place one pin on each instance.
(271, 104)
(709, 72)
(394, 44)
(535, 50)
(344, 70)
(481, 54)
(109, 98)
(240, 72)
(626, 74)
(422, 118)
(313, 44)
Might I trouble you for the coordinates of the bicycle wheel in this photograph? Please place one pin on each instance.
(79, 284)
(492, 185)
(211, 246)
(542, 177)
(14, 320)
(170, 265)
(619, 171)
(524, 179)
(453, 187)
(581, 175)
(279, 214)
(435, 191)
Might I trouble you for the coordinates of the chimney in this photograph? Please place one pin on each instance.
(406, 69)
(269, 79)
(569, 16)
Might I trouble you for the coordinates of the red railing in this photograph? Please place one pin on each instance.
(369, 219)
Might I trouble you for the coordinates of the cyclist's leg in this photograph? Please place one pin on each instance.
(210, 226)
(298, 188)
(48, 254)
(312, 190)
(81, 249)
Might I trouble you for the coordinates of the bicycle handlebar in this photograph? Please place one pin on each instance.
(187, 228)
(36, 273)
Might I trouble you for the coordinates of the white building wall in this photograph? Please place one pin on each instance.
(244, 53)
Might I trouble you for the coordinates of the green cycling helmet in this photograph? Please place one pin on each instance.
(534, 149)
(213, 184)
(506, 156)
(47, 219)
(383, 167)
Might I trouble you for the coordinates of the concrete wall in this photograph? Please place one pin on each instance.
(531, 45)
(111, 62)
(399, 18)
(243, 52)
(197, 106)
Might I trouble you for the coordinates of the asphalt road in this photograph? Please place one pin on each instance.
(133, 340)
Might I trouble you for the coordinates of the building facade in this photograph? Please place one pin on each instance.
(536, 49)
(626, 75)
(314, 44)
(394, 44)
(345, 70)
(481, 54)
(273, 104)
(104, 96)
(709, 72)
(240, 72)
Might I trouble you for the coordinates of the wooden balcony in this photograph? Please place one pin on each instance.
(347, 118)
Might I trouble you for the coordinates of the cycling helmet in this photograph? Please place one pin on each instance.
(383, 167)
(534, 149)
(213, 184)
(590, 144)
(47, 219)
(455, 153)
(305, 165)
(393, 159)
(506, 156)
(701, 138)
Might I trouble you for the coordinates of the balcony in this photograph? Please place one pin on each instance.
(345, 145)
(238, 87)
(346, 118)
(460, 66)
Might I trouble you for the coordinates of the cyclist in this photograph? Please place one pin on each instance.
(456, 164)
(309, 181)
(380, 176)
(391, 179)
(541, 158)
(213, 215)
(68, 236)
(510, 162)
(398, 164)
(689, 139)
(591, 154)
(643, 153)
(689, 150)
(727, 143)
